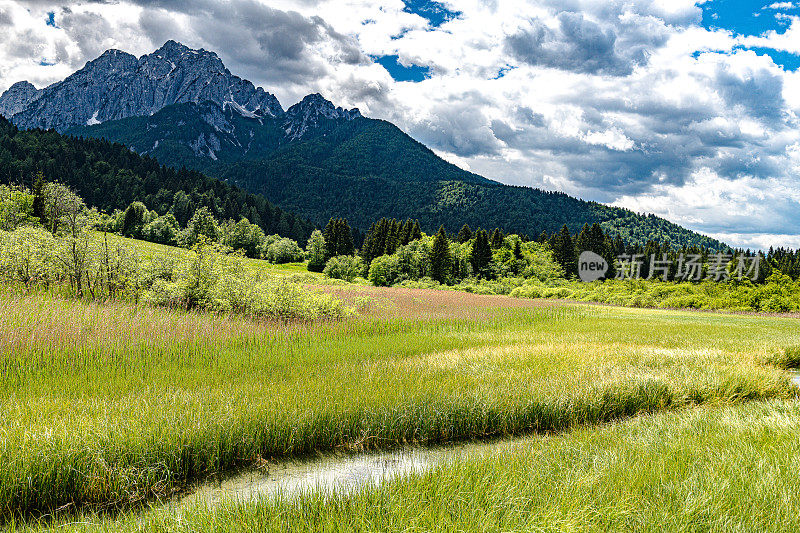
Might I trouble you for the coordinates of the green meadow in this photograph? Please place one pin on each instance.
(110, 407)
(114, 408)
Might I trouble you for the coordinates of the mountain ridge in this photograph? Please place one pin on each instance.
(119, 85)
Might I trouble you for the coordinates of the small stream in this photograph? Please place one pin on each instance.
(339, 473)
(345, 473)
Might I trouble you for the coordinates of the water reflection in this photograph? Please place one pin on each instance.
(341, 473)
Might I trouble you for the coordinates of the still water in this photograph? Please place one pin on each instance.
(340, 473)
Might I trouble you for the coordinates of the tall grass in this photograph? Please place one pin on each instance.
(716, 470)
(106, 406)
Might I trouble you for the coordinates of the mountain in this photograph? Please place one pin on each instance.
(17, 98)
(184, 108)
(118, 85)
(111, 176)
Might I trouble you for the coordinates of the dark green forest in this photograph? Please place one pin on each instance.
(365, 170)
(110, 176)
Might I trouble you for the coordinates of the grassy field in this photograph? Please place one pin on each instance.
(714, 469)
(107, 406)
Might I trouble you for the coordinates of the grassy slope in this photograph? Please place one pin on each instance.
(254, 265)
(106, 405)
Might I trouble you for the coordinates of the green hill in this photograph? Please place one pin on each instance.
(363, 169)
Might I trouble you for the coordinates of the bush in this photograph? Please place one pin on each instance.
(346, 267)
(385, 271)
(162, 230)
(27, 256)
(219, 283)
(283, 250)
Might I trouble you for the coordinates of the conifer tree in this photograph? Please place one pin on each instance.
(564, 251)
(497, 239)
(344, 236)
(440, 258)
(392, 237)
(517, 250)
(38, 198)
(330, 239)
(481, 255)
(465, 234)
(416, 232)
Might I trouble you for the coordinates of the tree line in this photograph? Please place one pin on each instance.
(110, 177)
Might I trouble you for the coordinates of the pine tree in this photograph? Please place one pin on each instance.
(392, 237)
(440, 258)
(405, 233)
(330, 239)
(564, 251)
(416, 232)
(38, 198)
(518, 250)
(344, 238)
(465, 234)
(481, 255)
(497, 239)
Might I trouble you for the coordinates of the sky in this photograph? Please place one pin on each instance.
(685, 109)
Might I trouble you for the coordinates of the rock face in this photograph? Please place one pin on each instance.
(17, 97)
(308, 113)
(118, 85)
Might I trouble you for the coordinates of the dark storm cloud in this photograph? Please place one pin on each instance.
(760, 93)
(26, 45)
(459, 126)
(88, 30)
(263, 43)
(579, 45)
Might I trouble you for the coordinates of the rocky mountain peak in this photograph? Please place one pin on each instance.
(118, 85)
(16, 98)
(310, 111)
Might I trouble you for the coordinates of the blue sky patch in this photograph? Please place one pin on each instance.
(400, 72)
(746, 17)
(435, 12)
(51, 19)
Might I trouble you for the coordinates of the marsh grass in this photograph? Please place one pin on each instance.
(719, 469)
(105, 407)
(787, 358)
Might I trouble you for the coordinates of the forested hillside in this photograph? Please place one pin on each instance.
(364, 169)
(111, 176)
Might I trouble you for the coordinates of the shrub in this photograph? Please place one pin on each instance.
(219, 283)
(162, 230)
(346, 267)
(284, 250)
(385, 271)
